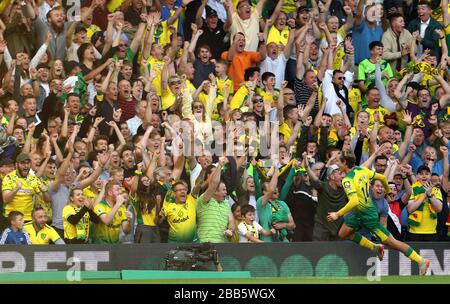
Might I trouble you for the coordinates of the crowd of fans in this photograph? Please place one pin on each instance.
(147, 121)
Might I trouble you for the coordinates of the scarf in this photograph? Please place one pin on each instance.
(279, 215)
(415, 218)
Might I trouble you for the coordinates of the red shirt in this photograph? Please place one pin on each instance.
(396, 208)
(128, 108)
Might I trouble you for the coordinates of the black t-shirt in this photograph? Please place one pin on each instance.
(132, 16)
(202, 72)
(214, 39)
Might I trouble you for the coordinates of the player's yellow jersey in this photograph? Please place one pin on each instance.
(182, 218)
(357, 182)
(42, 237)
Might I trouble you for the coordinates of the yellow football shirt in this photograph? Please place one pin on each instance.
(181, 218)
(239, 98)
(44, 236)
(425, 216)
(277, 36)
(357, 182)
(157, 66)
(23, 200)
(221, 86)
(80, 231)
(108, 234)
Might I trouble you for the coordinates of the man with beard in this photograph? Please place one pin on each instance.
(58, 27)
(39, 232)
(214, 30)
(19, 187)
(6, 166)
(128, 164)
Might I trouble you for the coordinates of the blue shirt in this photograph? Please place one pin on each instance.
(165, 14)
(382, 210)
(19, 237)
(363, 35)
(417, 161)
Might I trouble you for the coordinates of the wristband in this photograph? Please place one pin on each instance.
(404, 177)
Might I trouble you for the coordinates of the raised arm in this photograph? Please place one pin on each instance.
(135, 43)
(359, 12)
(214, 179)
(272, 186)
(199, 13)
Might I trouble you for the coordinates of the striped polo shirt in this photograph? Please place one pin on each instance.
(302, 94)
(212, 220)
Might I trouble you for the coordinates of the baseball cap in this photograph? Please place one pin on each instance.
(422, 168)
(331, 169)
(22, 157)
(210, 12)
(303, 8)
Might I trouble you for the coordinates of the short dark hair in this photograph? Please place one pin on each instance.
(180, 182)
(374, 44)
(13, 215)
(380, 157)
(246, 209)
(267, 75)
(287, 110)
(348, 158)
(394, 16)
(371, 89)
(249, 72)
(36, 209)
(72, 95)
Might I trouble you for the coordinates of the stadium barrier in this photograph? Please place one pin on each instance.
(261, 260)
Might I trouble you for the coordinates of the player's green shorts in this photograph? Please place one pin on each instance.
(368, 219)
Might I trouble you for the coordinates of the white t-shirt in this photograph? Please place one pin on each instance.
(249, 28)
(277, 66)
(252, 201)
(243, 229)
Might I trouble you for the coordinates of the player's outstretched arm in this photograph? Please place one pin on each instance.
(352, 203)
